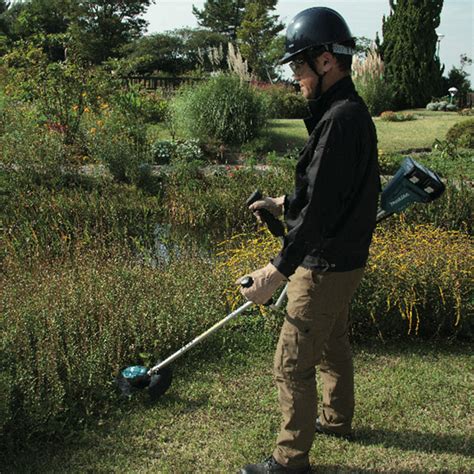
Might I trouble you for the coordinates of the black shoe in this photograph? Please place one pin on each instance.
(321, 430)
(271, 466)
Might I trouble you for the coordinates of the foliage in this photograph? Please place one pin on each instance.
(256, 34)
(70, 214)
(417, 280)
(462, 133)
(62, 92)
(222, 16)
(370, 82)
(81, 321)
(442, 106)
(119, 140)
(167, 151)
(409, 51)
(175, 52)
(223, 109)
(458, 77)
(283, 102)
(101, 28)
(390, 116)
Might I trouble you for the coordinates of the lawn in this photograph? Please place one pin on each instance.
(393, 136)
(412, 415)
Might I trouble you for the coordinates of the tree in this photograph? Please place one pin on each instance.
(221, 16)
(256, 34)
(102, 27)
(174, 52)
(458, 77)
(42, 22)
(409, 51)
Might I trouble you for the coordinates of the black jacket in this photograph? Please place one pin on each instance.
(331, 214)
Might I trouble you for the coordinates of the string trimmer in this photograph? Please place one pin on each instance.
(412, 183)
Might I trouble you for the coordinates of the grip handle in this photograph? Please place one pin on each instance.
(275, 226)
(247, 282)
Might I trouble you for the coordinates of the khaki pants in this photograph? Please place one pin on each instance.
(315, 332)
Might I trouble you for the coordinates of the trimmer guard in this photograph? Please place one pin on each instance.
(412, 183)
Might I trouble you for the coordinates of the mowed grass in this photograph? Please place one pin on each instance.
(393, 137)
(414, 414)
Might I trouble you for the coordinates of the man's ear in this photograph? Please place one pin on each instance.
(327, 61)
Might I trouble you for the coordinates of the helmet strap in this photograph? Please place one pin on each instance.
(310, 61)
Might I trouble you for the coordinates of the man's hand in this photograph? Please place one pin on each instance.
(265, 281)
(273, 205)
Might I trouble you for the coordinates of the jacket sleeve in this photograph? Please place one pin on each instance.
(330, 177)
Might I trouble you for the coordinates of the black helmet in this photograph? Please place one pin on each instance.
(317, 26)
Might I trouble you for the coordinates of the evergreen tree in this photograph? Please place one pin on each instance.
(221, 16)
(256, 35)
(409, 51)
(102, 27)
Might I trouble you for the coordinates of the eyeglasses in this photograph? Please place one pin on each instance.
(297, 64)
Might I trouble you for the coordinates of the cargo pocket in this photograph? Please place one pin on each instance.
(295, 350)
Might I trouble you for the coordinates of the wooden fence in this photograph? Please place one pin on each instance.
(167, 84)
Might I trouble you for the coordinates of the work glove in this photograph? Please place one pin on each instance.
(273, 205)
(265, 281)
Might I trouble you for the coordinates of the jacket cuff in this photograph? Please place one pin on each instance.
(283, 266)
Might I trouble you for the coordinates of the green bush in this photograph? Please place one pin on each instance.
(417, 281)
(283, 102)
(462, 133)
(71, 326)
(223, 109)
(369, 80)
(390, 116)
(45, 222)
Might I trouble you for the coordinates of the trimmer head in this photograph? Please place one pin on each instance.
(134, 378)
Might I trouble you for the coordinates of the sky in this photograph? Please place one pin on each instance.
(363, 16)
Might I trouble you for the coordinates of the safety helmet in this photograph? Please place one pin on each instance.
(316, 27)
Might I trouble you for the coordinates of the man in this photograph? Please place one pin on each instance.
(330, 218)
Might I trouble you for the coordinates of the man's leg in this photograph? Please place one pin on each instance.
(336, 368)
(302, 338)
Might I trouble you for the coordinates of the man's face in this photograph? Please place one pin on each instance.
(305, 76)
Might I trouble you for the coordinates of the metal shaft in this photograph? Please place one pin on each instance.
(198, 339)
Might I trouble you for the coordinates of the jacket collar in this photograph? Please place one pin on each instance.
(318, 107)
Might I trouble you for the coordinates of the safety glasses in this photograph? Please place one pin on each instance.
(297, 64)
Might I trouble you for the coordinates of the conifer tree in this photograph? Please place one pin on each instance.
(256, 34)
(409, 51)
(221, 16)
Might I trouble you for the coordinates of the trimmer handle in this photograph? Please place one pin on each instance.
(247, 282)
(275, 226)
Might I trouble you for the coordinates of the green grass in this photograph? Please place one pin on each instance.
(413, 407)
(392, 136)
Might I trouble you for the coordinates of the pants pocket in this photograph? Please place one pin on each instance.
(295, 350)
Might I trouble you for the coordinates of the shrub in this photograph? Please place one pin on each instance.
(368, 76)
(73, 325)
(165, 151)
(119, 140)
(417, 280)
(433, 106)
(442, 105)
(462, 133)
(283, 102)
(45, 222)
(223, 109)
(62, 92)
(451, 108)
(390, 116)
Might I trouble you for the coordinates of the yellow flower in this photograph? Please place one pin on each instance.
(100, 123)
(104, 106)
(75, 107)
(93, 130)
(86, 109)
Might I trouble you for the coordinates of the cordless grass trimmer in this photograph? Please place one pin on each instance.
(412, 183)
